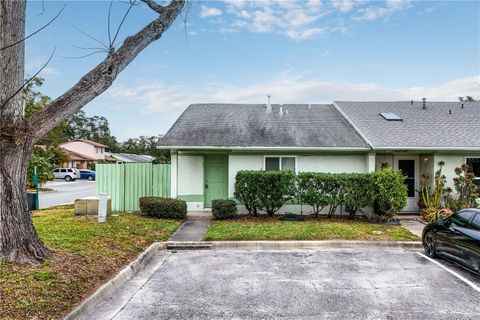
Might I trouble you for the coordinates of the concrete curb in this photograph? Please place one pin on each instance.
(320, 244)
(111, 286)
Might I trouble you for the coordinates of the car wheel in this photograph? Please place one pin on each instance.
(429, 245)
(90, 178)
(68, 178)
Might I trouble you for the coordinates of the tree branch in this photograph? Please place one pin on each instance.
(102, 76)
(35, 32)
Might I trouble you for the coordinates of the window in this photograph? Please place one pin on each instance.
(476, 222)
(63, 170)
(56, 170)
(462, 219)
(389, 116)
(280, 163)
(474, 164)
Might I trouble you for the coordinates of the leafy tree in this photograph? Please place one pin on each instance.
(95, 128)
(467, 99)
(19, 134)
(145, 145)
(35, 101)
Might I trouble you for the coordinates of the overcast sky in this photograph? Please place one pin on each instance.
(240, 51)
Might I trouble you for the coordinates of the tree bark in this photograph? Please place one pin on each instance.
(18, 240)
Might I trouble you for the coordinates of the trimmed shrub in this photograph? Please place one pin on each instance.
(247, 186)
(163, 207)
(358, 191)
(276, 188)
(391, 192)
(224, 209)
(312, 190)
(264, 190)
(319, 190)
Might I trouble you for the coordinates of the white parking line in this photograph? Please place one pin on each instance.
(470, 283)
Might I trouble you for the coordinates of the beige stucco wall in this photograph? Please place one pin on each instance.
(451, 162)
(85, 149)
(241, 162)
(335, 163)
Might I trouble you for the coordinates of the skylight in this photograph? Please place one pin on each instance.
(389, 116)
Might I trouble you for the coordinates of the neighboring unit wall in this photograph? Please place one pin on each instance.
(190, 180)
(451, 162)
(335, 163)
(381, 160)
(241, 162)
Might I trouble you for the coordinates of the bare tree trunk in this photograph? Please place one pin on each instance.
(18, 240)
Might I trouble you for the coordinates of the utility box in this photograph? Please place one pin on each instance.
(89, 206)
(32, 201)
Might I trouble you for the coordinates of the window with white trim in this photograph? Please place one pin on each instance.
(280, 163)
(474, 164)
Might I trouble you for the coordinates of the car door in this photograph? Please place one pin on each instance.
(56, 173)
(457, 234)
(62, 174)
(471, 245)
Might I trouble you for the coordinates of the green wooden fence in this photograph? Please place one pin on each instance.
(125, 183)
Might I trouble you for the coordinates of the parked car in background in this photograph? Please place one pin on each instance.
(87, 174)
(456, 238)
(69, 174)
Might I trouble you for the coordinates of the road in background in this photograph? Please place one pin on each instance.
(65, 192)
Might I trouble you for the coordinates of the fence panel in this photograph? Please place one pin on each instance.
(161, 180)
(138, 183)
(110, 179)
(126, 183)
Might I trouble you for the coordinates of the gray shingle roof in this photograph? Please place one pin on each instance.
(430, 128)
(133, 158)
(250, 125)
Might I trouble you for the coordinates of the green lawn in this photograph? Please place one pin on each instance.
(243, 229)
(86, 255)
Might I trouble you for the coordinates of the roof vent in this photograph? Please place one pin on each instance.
(424, 106)
(411, 102)
(389, 116)
(462, 105)
(269, 105)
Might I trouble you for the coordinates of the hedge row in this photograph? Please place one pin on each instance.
(269, 190)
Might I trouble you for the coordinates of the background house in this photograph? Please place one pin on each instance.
(81, 153)
(210, 143)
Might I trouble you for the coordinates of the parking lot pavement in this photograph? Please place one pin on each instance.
(301, 284)
(65, 192)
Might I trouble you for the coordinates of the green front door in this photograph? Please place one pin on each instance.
(216, 179)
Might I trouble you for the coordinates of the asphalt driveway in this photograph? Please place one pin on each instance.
(302, 284)
(65, 192)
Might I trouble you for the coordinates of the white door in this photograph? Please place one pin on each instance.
(408, 164)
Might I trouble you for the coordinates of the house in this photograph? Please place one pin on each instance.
(130, 158)
(210, 143)
(83, 152)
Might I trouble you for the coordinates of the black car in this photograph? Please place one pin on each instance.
(456, 238)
